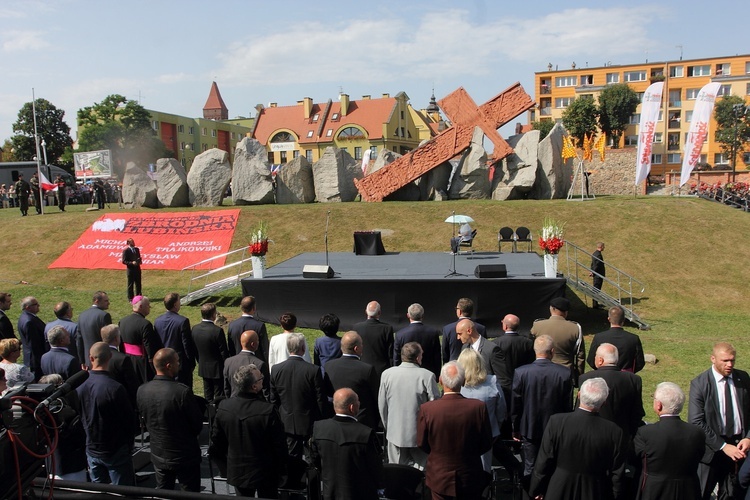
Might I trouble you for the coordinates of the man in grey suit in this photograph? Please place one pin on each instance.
(90, 324)
(64, 314)
(720, 405)
(403, 389)
(468, 335)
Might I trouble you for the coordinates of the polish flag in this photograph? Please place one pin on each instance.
(46, 184)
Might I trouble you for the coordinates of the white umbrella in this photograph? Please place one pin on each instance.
(459, 219)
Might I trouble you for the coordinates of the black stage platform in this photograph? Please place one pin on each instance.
(397, 280)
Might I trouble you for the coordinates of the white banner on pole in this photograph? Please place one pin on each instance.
(704, 106)
(650, 107)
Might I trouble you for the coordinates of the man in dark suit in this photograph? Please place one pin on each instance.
(31, 331)
(90, 323)
(245, 357)
(64, 314)
(58, 359)
(580, 456)
(426, 336)
(247, 439)
(174, 332)
(346, 452)
(244, 323)
(297, 392)
(131, 257)
(469, 338)
(377, 339)
(720, 405)
(174, 420)
(139, 340)
(455, 431)
(670, 450)
(120, 366)
(598, 271)
(6, 327)
(451, 347)
(628, 344)
(515, 350)
(350, 371)
(212, 351)
(540, 389)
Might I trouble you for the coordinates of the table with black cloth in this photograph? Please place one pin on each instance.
(368, 243)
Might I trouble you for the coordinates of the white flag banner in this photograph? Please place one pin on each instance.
(704, 106)
(650, 107)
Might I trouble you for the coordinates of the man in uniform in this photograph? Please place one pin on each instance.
(37, 190)
(570, 350)
(22, 192)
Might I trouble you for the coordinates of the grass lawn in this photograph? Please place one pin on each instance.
(692, 254)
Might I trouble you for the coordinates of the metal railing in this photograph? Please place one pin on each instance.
(205, 282)
(627, 289)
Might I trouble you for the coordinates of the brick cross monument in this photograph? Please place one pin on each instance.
(463, 112)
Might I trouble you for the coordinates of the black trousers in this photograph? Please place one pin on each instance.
(188, 475)
(134, 282)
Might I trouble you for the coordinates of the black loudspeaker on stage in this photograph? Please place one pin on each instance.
(491, 271)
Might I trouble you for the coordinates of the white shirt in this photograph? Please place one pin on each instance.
(720, 381)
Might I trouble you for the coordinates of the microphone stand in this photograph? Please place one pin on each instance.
(328, 219)
(452, 271)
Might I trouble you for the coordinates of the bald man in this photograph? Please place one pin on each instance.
(377, 339)
(249, 342)
(347, 452)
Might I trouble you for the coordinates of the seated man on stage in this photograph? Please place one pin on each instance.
(465, 234)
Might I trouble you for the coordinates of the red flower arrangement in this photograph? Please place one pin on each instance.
(259, 240)
(551, 239)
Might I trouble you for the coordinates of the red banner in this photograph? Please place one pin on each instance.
(172, 240)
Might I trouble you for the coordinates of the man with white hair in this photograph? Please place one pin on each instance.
(587, 449)
(427, 336)
(670, 449)
(58, 359)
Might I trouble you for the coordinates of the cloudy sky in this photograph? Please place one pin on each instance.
(166, 53)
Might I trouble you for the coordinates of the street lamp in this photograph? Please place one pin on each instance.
(44, 149)
(738, 110)
(188, 147)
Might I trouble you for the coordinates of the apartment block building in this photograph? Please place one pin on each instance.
(556, 88)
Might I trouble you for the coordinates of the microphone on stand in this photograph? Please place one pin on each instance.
(312, 271)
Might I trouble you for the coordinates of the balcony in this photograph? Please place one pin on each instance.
(545, 90)
(673, 146)
(546, 111)
(675, 104)
(674, 123)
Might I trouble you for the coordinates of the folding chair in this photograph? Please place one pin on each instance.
(505, 235)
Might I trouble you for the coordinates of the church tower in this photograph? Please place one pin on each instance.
(215, 109)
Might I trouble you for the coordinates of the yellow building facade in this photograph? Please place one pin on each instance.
(556, 89)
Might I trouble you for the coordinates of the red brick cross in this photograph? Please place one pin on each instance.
(465, 115)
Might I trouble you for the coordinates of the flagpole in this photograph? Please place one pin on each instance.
(38, 154)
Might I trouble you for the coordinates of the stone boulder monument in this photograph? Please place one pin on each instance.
(209, 178)
(294, 182)
(138, 189)
(171, 183)
(251, 174)
(334, 176)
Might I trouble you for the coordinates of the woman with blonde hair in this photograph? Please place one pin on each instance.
(15, 373)
(479, 385)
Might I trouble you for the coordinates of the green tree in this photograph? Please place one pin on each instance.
(579, 118)
(726, 121)
(543, 126)
(122, 126)
(7, 151)
(617, 103)
(51, 128)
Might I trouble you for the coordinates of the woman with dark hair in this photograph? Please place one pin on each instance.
(329, 346)
(277, 350)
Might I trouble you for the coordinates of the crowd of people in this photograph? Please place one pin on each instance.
(275, 410)
(22, 194)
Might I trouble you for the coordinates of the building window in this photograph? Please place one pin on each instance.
(283, 137)
(316, 116)
(747, 68)
(587, 96)
(676, 72)
(283, 156)
(232, 135)
(308, 155)
(204, 131)
(656, 159)
(191, 131)
(720, 158)
(658, 137)
(566, 81)
(661, 115)
(675, 117)
(691, 94)
(704, 70)
(374, 150)
(724, 90)
(402, 114)
(673, 158)
(270, 157)
(587, 79)
(688, 116)
(631, 140)
(746, 158)
(635, 76)
(181, 129)
(635, 119)
(351, 133)
(204, 147)
(309, 133)
(563, 102)
(747, 89)
(613, 78)
(182, 145)
(295, 153)
(673, 141)
(357, 152)
(640, 95)
(213, 132)
(674, 98)
(334, 117)
(723, 69)
(329, 132)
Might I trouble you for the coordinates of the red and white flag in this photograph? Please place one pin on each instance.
(45, 183)
(704, 106)
(650, 107)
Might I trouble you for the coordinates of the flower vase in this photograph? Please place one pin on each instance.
(259, 266)
(550, 265)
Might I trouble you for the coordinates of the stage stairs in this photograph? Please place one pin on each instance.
(208, 282)
(619, 287)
